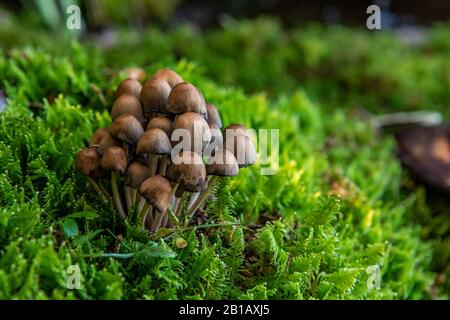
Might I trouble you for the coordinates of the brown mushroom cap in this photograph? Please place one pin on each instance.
(189, 170)
(98, 136)
(162, 123)
(127, 104)
(87, 162)
(127, 128)
(137, 172)
(129, 86)
(135, 73)
(154, 96)
(107, 141)
(168, 75)
(157, 190)
(242, 148)
(154, 141)
(114, 159)
(184, 97)
(235, 129)
(222, 164)
(198, 129)
(214, 118)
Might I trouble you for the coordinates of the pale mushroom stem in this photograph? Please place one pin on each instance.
(159, 216)
(143, 213)
(141, 203)
(133, 196)
(173, 198)
(179, 204)
(163, 165)
(202, 197)
(165, 221)
(152, 164)
(128, 197)
(116, 195)
(149, 218)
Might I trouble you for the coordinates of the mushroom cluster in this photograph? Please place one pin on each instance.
(165, 143)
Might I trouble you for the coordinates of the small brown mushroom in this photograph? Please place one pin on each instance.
(154, 143)
(223, 164)
(196, 128)
(127, 104)
(237, 140)
(106, 142)
(135, 73)
(98, 136)
(158, 191)
(129, 86)
(185, 97)
(188, 169)
(154, 97)
(137, 172)
(127, 129)
(168, 75)
(162, 123)
(214, 118)
(87, 162)
(115, 160)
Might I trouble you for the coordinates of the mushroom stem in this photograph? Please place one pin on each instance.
(143, 213)
(165, 221)
(202, 197)
(152, 164)
(133, 196)
(141, 203)
(163, 165)
(179, 205)
(149, 218)
(128, 197)
(116, 195)
(98, 189)
(157, 220)
(193, 198)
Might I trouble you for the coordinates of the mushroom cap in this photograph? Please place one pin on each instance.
(98, 136)
(168, 75)
(198, 129)
(222, 164)
(137, 172)
(188, 169)
(129, 86)
(107, 141)
(127, 128)
(87, 162)
(162, 123)
(154, 96)
(185, 97)
(213, 116)
(114, 159)
(157, 190)
(154, 141)
(242, 148)
(235, 129)
(127, 104)
(135, 73)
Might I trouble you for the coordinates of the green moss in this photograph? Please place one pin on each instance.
(311, 231)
